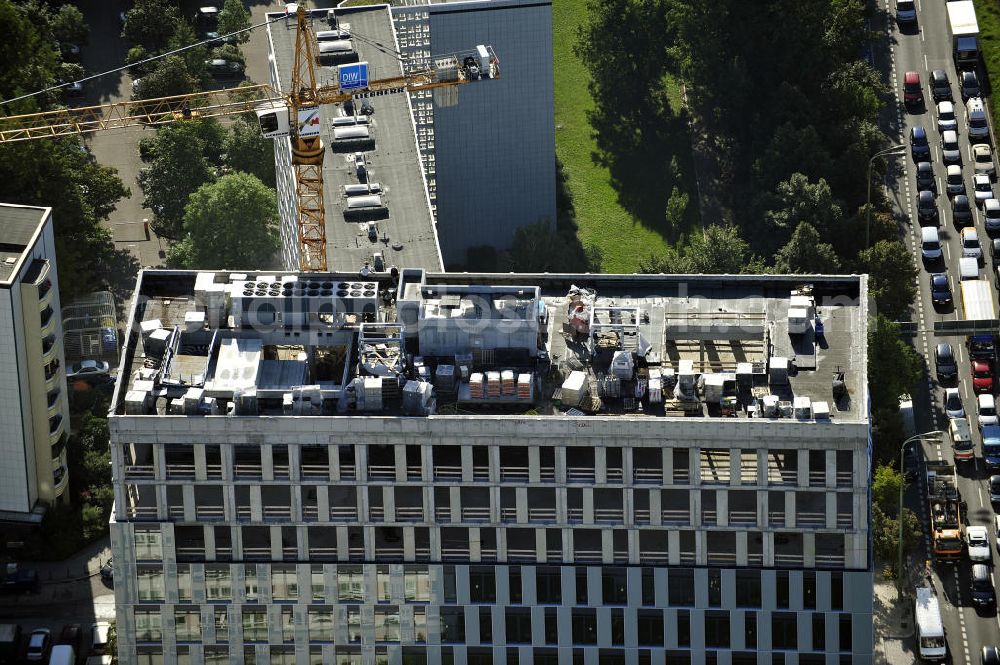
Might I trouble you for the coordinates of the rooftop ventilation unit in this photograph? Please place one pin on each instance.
(778, 373)
(362, 189)
(802, 408)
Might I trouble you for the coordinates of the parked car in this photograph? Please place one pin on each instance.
(991, 215)
(944, 362)
(927, 210)
(954, 182)
(946, 116)
(983, 594)
(940, 85)
(925, 177)
(99, 637)
(982, 156)
(953, 403)
(913, 93)
(982, 376)
(969, 84)
(72, 635)
(108, 571)
(21, 580)
(906, 12)
(919, 147)
(961, 214)
(975, 117)
(930, 243)
(940, 289)
(950, 151)
(990, 655)
(978, 540)
(987, 404)
(983, 187)
(86, 368)
(223, 66)
(39, 644)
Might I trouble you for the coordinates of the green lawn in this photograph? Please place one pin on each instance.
(603, 223)
(988, 17)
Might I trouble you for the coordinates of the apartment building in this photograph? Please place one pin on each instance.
(476, 468)
(34, 410)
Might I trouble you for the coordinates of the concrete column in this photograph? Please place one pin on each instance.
(762, 467)
(735, 467)
(333, 459)
(694, 497)
(323, 502)
(722, 507)
(600, 465)
(534, 465)
(633, 546)
(701, 547)
(521, 502)
(187, 497)
(276, 553)
(803, 468)
(210, 554)
(295, 463)
(607, 546)
(674, 548)
(561, 515)
(831, 510)
(767, 549)
(342, 543)
(627, 506)
(389, 502)
(455, 494)
(809, 549)
(200, 462)
(160, 462)
(627, 466)
(668, 465)
(475, 545)
(466, 464)
(694, 465)
(267, 461)
(741, 548)
(361, 462)
(588, 505)
(302, 543)
(831, 469)
(426, 463)
(790, 509)
(501, 544)
(494, 504)
(399, 458)
(655, 507)
(494, 462)
(409, 544)
(541, 551)
(295, 501)
(560, 462)
(256, 504)
(762, 516)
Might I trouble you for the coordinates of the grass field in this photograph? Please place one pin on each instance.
(602, 221)
(988, 17)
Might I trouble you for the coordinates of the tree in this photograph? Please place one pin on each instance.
(539, 248)
(894, 367)
(891, 277)
(28, 59)
(68, 26)
(177, 169)
(886, 485)
(229, 52)
(194, 58)
(170, 77)
(231, 223)
(885, 535)
(233, 17)
(796, 200)
(670, 262)
(246, 150)
(676, 208)
(804, 253)
(151, 23)
(719, 249)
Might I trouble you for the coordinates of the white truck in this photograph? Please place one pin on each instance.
(931, 642)
(964, 30)
(977, 300)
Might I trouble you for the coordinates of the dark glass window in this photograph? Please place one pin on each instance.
(714, 588)
(617, 626)
(845, 632)
(809, 589)
(683, 628)
(584, 626)
(784, 630)
(551, 626)
(518, 625)
(648, 587)
(716, 629)
(680, 586)
(748, 588)
(486, 625)
(449, 584)
(649, 626)
(452, 624)
(614, 586)
(581, 586)
(482, 584)
(548, 586)
(819, 631)
(677, 657)
(781, 589)
(514, 577)
(750, 630)
(836, 591)
(476, 656)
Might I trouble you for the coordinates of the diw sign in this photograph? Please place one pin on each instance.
(353, 76)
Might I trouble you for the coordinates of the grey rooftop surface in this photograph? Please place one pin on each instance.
(18, 226)
(406, 234)
(422, 344)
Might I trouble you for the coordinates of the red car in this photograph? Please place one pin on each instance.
(913, 92)
(982, 376)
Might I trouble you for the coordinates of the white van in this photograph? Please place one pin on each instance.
(62, 654)
(931, 641)
(978, 126)
(987, 410)
(930, 243)
(968, 268)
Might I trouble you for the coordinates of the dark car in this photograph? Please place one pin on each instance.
(108, 571)
(961, 210)
(919, 147)
(21, 581)
(983, 594)
(925, 177)
(944, 362)
(940, 85)
(927, 210)
(969, 84)
(990, 656)
(72, 634)
(940, 289)
(995, 251)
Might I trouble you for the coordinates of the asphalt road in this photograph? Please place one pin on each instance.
(923, 49)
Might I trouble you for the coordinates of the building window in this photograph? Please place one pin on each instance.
(784, 630)
(845, 632)
(748, 588)
(750, 630)
(514, 585)
(482, 584)
(648, 587)
(350, 584)
(551, 626)
(216, 656)
(281, 656)
(184, 582)
(617, 626)
(348, 658)
(452, 624)
(836, 591)
(450, 594)
(148, 656)
(518, 620)
(218, 583)
(417, 585)
(614, 586)
(714, 587)
(584, 626)
(320, 624)
(581, 586)
(250, 583)
(680, 586)
(318, 582)
(781, 589)
(683, 628)
(486, 625)
(649, 624)
(420, 624)
(353, 624)
(287, 624)
(819, 631)
(149, 581)
(187, 625)
(148, 625)
(387, 624)
(809, 589)
(183, 655)
(717, 629)
(548, 586)
(221, 625)
(148, 545)
(254, 624)
(284, 583)
(383, 585)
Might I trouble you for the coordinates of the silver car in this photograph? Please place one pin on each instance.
(949, 147)
(983, 187)
(946, 116)
(982, 154)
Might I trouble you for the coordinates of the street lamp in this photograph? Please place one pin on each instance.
(893, 151)
(902, 483)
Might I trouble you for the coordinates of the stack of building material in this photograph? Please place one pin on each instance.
(655, 386)
(444, 378)
(524, 386)
(493, 384)
(476, 385)
(507, 382)
(574, 388)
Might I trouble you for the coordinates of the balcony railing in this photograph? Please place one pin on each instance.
(281, 471)
(547, 474)
(422, 553)
(845, 478)
(722, 558)
(653, 557)
(141, 512)
(381, 472)
(647, 475)
(343, 513)
(574, 515)
(845, 521)
(641, 516)
(310, 513)
(508, 514)
(410, 513)
(616, 475)
(675, 516)
(447, 473)
(682, 477)
(742, 518)
(609, 515)
(455, 553)
(348, 473)
(139, 471)
(323, 553)
(476, 513)
(817, 478)
(247, 470)
(315, 471)
(788, 559)
(213, 471)
(541, 514)
(509, 474)
(587, 556)
(521, 554)
(210, 512)
(442, 514)
(810, 520)
(376, 513)
(488, 554)
(414, 472)
(829, 560)
(481, 473)
(257, 553)
(782, 476)
(175, 512)
(776, 518)
(709, 517)
(176, 470)
(243, 513)
(578, 474)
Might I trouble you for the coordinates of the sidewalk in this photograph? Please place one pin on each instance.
(70, 581)
(893, 622)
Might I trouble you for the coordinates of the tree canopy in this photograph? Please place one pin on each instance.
(805, 253)
(892, 277)
(232, 17)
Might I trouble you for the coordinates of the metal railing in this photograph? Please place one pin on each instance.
(245, 470)
(141, 512)
(777, 476)
(722, 558)
(277, 512)
(687, 558)
(344, 513)
(410, 513)
(213, 471)
(381, 472)
(580, 474)
(653, 557)
(323, 553)
(476, 514)
(321, 471)
(414, 472)
(641, 516)
(289, 553)
(574, 515)
(210, 512)
(788, 559)
(682, 477)
(845, 521)
(243, 512)
(175, 512)
(447, 473)
(817, 478)
(829, 560)
(513, 474)
(442, 513)
(139, 471)
(547, 474)
(587, 556)
(175, 470)
(481, 473)
(223, 553)
(776, 518)
(348, 473)
(281, 471)
(742, 517)
(356, 553)
(257, 553)
(310, 513)
(845, 478)
(454, 553)
(647, 475)
(376, 513)
(517, 554)
(709, 517)
(609, 515)
(541, 514)
(488, 554)
(508, 514)
(810, 520)
(616, 475)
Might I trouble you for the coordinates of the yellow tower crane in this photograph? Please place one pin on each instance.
(294, 114)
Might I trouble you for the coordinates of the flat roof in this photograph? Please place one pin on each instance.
(18, 228)
(406, 234)
(423, 344)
